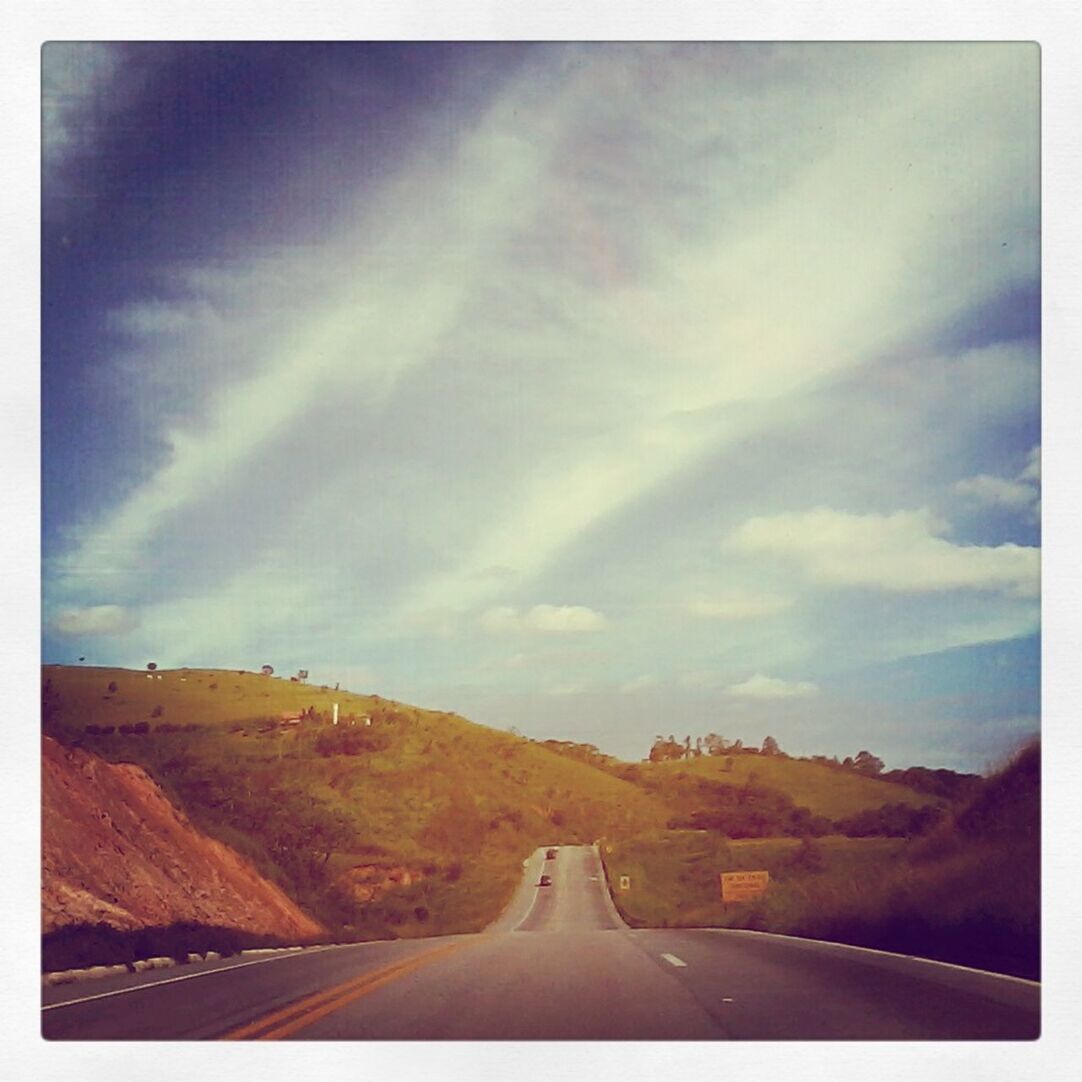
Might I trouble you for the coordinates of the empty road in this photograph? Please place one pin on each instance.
(558, 965)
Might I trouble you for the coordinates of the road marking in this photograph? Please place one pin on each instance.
(311, 1008)
(533, 901)
(872, 950)
(188, 977)
(674, 961)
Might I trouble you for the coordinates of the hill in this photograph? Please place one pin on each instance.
(967, 891)
(413, 823)
(401, 820)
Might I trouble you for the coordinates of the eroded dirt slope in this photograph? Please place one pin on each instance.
(116, 851)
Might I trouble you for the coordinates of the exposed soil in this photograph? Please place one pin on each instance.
(116, 851)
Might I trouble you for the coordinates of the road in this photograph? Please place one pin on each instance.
(558, 965)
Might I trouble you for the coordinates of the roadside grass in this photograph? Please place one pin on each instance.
(458, 804)
(675, 876)
(968, 893)
(824, 790)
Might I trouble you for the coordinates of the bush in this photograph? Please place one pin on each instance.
(127, 730)
(93, 730)
(141, 727)
(112, 687)
(349, 741)
(891, 821)
(157, 712)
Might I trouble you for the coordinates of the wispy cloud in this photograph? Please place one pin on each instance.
(738, 606)
(1021, 493)
(769, 687)
(903, 551)
(582, 323)
(558, 619)
(95, 620)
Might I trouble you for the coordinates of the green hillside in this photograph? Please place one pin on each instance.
(967, 892)
(401, 820)
(824, 791)
(455, 805)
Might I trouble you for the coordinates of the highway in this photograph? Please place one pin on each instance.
(557, 965)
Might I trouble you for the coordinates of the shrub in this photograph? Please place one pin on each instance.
(93, 730)
(108, 730)
(127, 730)
(141, 727)
(112, 687)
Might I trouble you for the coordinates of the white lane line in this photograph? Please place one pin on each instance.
(871, 950)
(185, 977)
(673, 960)
(533, 901)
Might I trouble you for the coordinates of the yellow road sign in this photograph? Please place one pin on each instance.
(743, 886)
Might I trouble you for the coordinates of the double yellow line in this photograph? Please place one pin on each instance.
(303, 1012)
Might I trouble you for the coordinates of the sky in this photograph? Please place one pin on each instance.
(602, 391)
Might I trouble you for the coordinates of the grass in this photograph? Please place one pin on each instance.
(675, 876)
(969, 892)
(825, 791)
(460, 805)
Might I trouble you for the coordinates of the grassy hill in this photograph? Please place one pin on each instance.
(967, 892)
(833, 793)
(415, 823)
(428, 810)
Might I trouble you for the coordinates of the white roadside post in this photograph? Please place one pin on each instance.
(336, 713)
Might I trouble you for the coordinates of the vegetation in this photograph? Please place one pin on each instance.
(401, 821)
(967, 891)
(457, 805)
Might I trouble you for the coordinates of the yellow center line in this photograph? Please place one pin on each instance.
(305, 1011)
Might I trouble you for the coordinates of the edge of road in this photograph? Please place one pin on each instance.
(610, 903)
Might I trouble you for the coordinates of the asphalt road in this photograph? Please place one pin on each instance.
(558, 965)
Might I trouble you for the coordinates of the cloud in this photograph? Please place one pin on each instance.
(769, 687)
(156, 318)
(543, 618)
(1020, 494)
(1032, 471)
(738, 606)
(95, 620)
(997, 491)
(638, 683)
(903, 551)
(78, 94)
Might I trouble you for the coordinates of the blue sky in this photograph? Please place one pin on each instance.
(603, 391)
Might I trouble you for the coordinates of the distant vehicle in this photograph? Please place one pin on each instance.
(550, 855)
(545, 881)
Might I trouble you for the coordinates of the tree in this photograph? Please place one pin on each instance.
(267, 670)
(151, 666)
(714, 744)
(664, 750)
(302, 674)
(867, 763)
(770, 746)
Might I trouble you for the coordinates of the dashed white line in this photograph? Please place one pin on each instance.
(674, 961)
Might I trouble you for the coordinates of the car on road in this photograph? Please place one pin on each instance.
(550, 855)
(545, 881)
